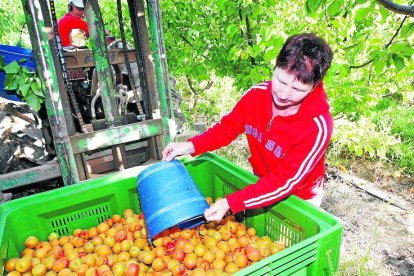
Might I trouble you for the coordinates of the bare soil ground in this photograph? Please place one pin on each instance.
(378, 237)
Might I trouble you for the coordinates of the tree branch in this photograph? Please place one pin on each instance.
(189, 43)
(249, 38)
(194, 91)
(394, 7)
(386, 46)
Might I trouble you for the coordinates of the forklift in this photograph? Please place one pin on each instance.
(108, 108)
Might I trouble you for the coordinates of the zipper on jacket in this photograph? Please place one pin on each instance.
(270, 123)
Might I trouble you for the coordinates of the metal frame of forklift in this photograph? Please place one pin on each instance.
(71, 146)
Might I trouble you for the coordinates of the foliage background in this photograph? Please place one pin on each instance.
(370, 83)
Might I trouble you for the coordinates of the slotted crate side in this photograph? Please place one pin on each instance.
(327, 262)
(63, 210)
(90, 202)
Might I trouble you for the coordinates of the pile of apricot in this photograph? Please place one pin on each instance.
(119, 246)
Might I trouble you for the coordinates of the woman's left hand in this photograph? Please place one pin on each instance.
(217, 211)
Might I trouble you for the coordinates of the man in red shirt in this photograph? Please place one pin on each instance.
(72, 25)
(288, 127)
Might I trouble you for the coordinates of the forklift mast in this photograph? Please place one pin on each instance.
(118, 140)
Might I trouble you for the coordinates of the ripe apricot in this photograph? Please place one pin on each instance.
(119, 268)
(224, 246)
(78, 242)
(276, 247)
(240, 260)
(102, 227)
(158, 264)
(91, 271)
(10, 264)
(22, 265)
(219, 264)
(65, 272)
(178, 269)
(253, 253)
(116, 218)
(205, 265)
(132, 269)
(124, 256)
(231, 268)
(81, 269)
(198, 272)
(200, 249)
(63, 240)
(31, 242)
(48, 262)
(120, 236)
(188, 247)
(219, 254)
(103, 250)
(38, 270)
(27, 251)
(128, 213)
(190, 261)
(187, 233)
(251, 232)
(209, 256)
(59, 265)
(210, 242)
(147, 257)
(14, 273)
(89, 260)
(160, 251)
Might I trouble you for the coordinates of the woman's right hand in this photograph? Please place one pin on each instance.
(175, 149)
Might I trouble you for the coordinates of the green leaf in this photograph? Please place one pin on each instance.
(379, 65)
(398, 62)
(407, 30)
(2, 63)
(336, 23)
(384, 12)
(398, 47)
(12, 68)
(24, 89)
(11, 82)
(244, 55)
(232, 29)
(33, 101)
(361, 14)
(8, 80)
(335, 7)
(313, 5)
(368, 148)
(35, 88)
(359, 150)
(251, 51)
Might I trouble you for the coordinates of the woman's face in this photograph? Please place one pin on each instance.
(287, 91)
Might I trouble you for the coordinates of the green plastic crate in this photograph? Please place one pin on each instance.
(313, 236)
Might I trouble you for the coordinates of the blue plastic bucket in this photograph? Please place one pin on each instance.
(169, 197)
(10, 54)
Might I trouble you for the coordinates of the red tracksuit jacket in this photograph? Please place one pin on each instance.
(287, 153)
(66, 24)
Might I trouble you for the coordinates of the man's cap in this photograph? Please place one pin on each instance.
(77, 3)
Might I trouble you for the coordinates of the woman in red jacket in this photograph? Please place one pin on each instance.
(288, 128)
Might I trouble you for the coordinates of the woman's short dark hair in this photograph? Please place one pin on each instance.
(306, 56)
